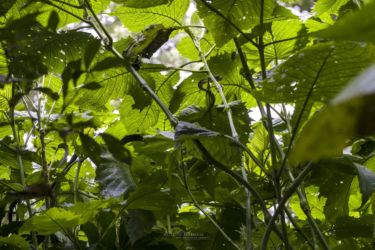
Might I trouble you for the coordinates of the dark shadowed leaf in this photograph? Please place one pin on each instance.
(49, 92)
(366, 182)
(187, 130)
(138, 223)
(91, 86)
(114, 176)
(53, 21)
(14, 241)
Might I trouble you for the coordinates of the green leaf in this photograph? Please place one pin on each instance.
(325, 135)
(326, 68)
(356, 26)
(242, 13)
(142, 4)
(51, 221)
(114, 176)
(219, 147)
(88, 210)
(186, 130)
(91, 86)
(138, 223)
(137, 19)
(334, 179)
(136, 121)
(53, 21)
(325, 9)
(349, 227)
(281, 30)
(216, 119)
(91, 148)
(14, 241)
(5, 6)
(366, 182)
(148, 197)
(91, 49)
(116, 148)
(49, 92)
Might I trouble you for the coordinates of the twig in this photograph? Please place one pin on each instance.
(297, 227)
(202, 210)
(280, 206)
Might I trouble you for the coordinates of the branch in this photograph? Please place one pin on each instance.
(202, 210)
(280, 206)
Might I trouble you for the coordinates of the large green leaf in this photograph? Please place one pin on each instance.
(334, 179)
(357, 26)
(142, 4)
(280, 30)
(136, 121)
(216, 119)
(114, 176)
(350, 114)
(137, 19)
(138, 223)
(88, 210)
(326, 9)
(323, 69)
(51, 221)
(219, 147)
(241, 13)
(113, 84)
(149, 197)
(366, 182)
(349, 227)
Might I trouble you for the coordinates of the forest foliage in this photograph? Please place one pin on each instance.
(102, 146)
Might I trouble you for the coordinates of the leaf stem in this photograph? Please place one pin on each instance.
(282, 40)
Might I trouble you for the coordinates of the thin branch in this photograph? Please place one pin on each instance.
(271, 135)
(305, 205)
(211, 160)
(109, 37)
(69, 4)
(306, 209)
(280, 206)
(202, 210)
(297, 227)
